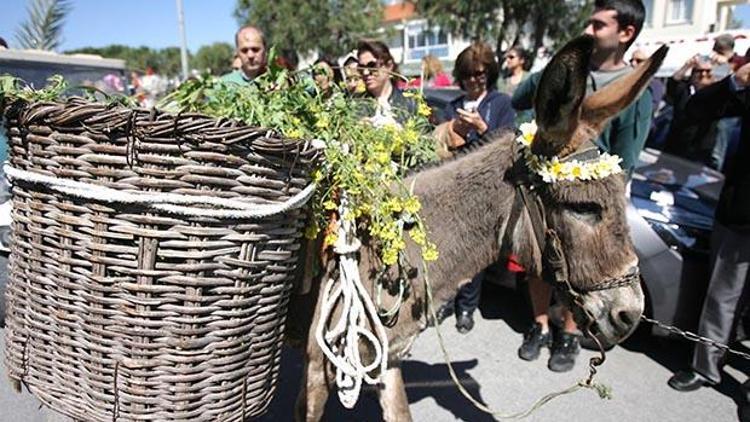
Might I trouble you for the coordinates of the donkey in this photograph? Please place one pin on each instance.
(468, 205)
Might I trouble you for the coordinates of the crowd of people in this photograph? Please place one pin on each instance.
(701, 112)
(697, 113)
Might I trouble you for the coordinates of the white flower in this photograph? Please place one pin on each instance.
(552, 170)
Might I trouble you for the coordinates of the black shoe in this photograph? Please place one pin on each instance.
(533, 341)
(464, 321)
(688, 381)
(565, 348)
(442, 313)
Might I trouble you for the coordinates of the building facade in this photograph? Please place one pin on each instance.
(675, 19)
(411, 38)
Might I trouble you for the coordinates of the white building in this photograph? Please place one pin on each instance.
(412, 39)
(689, 27)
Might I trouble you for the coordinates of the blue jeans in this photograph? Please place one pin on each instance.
(467, 298)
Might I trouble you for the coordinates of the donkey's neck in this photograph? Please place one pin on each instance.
(465, 204)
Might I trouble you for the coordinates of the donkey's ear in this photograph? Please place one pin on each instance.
(604, 104)
(560, 93)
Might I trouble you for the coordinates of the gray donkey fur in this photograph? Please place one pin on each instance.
(466, 204)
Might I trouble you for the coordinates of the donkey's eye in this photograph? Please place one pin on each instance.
(585, 210)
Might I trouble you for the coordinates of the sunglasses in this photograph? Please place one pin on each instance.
(704, 72)
(637, 61)
(479, 74)
(366, 68)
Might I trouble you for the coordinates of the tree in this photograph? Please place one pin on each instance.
(43, 29)
(215, 58)
(326, 26)
(507, 22)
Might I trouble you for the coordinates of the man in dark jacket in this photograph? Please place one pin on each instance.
(730, 247)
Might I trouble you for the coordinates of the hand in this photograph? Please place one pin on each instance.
(742, 76)
(692, 62)
(472, 119)
(717, 58)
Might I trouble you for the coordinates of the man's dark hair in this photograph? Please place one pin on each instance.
(724, 43)
(629, 12)
(3, 43)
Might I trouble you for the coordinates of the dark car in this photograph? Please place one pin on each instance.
(671, 219)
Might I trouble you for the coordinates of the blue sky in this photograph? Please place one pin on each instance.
(152, 23)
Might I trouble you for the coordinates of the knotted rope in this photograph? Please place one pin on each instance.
(340, 341)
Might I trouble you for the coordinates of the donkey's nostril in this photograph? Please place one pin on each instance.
(625, 319)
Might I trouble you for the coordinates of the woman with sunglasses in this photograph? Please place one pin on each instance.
(380, 73)
(515, 66)
(688, 138)
(481, 110)
(517, 72)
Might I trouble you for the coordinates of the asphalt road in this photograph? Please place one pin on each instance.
(486, 362)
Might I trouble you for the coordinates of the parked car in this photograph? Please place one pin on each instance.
(671, 219)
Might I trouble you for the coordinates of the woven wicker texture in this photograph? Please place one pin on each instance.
(117, 312)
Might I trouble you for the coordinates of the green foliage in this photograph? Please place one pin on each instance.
(365, 162)
(12, 88)
(509, 21)
(327, 26)
(43, 28)
(215, 58)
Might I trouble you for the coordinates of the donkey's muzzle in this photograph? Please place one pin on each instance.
(616, 312)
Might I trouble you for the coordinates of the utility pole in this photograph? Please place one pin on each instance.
(183, 40)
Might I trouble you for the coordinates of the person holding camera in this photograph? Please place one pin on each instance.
(726, 296)
(467, 118)
(689, 138)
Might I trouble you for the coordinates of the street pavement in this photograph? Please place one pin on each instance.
(487, 364)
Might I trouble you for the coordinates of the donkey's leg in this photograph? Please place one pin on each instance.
(393, 398)
(313, 395)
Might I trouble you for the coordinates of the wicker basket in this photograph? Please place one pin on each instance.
(122, 308)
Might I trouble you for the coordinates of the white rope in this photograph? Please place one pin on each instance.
(172, 203)
(340, 342)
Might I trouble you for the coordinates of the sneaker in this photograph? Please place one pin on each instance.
(533, 341)
(442, 313)
(464, 321)
(564, 351)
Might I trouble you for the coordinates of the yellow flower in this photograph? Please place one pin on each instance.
(418, 236)
(294, 133)
(424, 110)
(317, 175)
(382, 157)
(390, 256)
(330, 239)
(393, 205)
(311, 231)
(412, 205)
(323, 122)
(329, 205)
(430, 253)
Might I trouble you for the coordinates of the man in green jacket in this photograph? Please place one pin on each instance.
(614, 31)
(251, 49)
(614, 24)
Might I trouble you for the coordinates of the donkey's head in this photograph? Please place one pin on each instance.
(588, 216)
